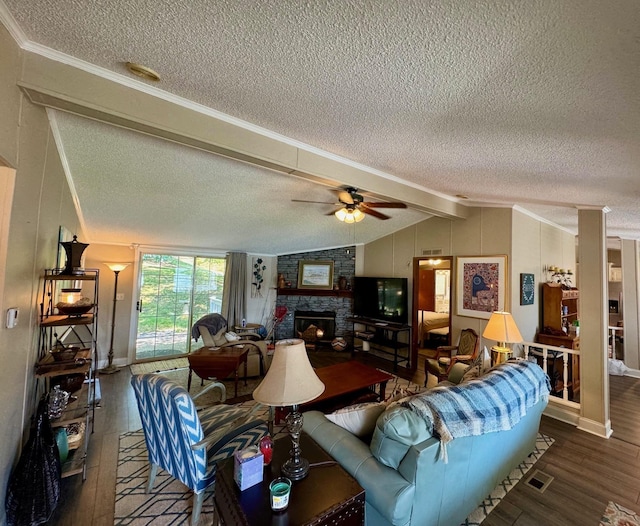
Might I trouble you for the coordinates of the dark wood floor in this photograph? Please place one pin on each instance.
(588, 471)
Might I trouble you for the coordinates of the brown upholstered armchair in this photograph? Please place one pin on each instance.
(448, 355)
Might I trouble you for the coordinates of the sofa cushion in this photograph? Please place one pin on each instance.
(396, 430)
(358, 419)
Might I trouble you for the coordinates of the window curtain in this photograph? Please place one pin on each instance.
(235, 288)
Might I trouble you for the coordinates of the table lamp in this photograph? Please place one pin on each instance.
(290, 381)
(503, 329)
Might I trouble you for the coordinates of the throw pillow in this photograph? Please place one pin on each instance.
(471, 374)
(231, 336)
(358, 419)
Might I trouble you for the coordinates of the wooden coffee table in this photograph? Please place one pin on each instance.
(327, 496)
(340, 381)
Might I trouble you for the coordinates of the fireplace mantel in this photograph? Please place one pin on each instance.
(315, 292)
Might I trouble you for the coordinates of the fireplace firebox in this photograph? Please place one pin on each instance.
(323, 321)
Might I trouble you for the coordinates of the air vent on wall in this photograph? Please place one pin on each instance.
(431, 251)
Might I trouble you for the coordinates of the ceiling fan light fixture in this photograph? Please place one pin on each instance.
(349, 215)
(341, 214)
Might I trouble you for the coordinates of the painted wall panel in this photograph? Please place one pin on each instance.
(10, 59)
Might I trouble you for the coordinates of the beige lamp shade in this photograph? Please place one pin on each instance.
(502, 328)
(117, 267)
(290, 380)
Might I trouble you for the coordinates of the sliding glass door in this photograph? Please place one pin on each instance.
(175, 290)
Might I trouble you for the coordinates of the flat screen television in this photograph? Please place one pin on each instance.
(381, 299)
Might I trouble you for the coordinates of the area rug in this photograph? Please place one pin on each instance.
(170, 503)
(476, 517)
(619, 516)
(158, 366)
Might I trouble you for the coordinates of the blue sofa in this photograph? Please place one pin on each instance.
(406, 480)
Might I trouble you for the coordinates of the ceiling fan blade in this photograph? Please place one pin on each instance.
(386, 205)
(314, 202)
(344, 197)
(366, 210)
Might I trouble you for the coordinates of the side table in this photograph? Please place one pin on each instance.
(218, 363)
(327, 496)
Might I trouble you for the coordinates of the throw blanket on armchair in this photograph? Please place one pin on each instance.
(495, 402)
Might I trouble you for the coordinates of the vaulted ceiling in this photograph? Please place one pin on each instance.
(535, 104)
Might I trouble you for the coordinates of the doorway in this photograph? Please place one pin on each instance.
(175, 290)
(432, 292)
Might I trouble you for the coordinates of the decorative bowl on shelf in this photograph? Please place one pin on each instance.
(65, 355)
(74, 309)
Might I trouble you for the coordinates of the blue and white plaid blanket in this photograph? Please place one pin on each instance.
(495, 402)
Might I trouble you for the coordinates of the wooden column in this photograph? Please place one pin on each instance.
(630, 302)
(594, 322)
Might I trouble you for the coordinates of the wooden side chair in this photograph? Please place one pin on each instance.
(448, 355)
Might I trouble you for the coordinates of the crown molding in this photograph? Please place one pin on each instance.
(12, 25)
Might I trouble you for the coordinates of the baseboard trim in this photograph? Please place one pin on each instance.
(569, 415)
(634, 373)
(595, 428)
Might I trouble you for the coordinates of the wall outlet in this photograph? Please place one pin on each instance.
(119, 296)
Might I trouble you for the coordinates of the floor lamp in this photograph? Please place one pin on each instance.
(117, 268)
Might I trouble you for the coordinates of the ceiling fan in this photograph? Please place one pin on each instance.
(353, 206)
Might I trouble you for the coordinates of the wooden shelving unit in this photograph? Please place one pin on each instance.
(80, 330)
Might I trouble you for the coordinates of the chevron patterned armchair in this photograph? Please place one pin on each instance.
(187, 443)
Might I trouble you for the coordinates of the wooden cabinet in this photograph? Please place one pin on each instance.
(71, 329)
(560, 308)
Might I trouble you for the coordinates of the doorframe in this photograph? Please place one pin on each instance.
(137, 272)
(414, 304)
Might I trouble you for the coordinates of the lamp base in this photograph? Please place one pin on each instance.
(295, 469)
(110, 369)
(500, 355)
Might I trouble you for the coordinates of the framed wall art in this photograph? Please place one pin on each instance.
(315, 274)
(481, 285)
(527, 289)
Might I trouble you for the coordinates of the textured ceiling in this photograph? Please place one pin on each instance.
(534, 103)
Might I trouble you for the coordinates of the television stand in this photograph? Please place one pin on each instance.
(383, 337)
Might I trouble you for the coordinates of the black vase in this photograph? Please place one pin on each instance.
(74, 250)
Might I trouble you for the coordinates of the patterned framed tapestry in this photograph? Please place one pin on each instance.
(481, 286)
(527, 289)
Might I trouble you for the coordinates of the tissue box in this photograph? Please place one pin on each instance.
(248, 467)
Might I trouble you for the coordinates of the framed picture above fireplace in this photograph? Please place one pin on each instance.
(315, 274)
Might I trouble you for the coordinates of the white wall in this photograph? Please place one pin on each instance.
(41, 203)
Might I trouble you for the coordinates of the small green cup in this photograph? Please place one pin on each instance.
(280, 489)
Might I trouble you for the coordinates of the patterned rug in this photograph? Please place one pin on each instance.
(170, 503)
(619, 516)
(543, 443)
(159, 366)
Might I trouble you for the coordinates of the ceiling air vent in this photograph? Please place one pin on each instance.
(431, 251)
